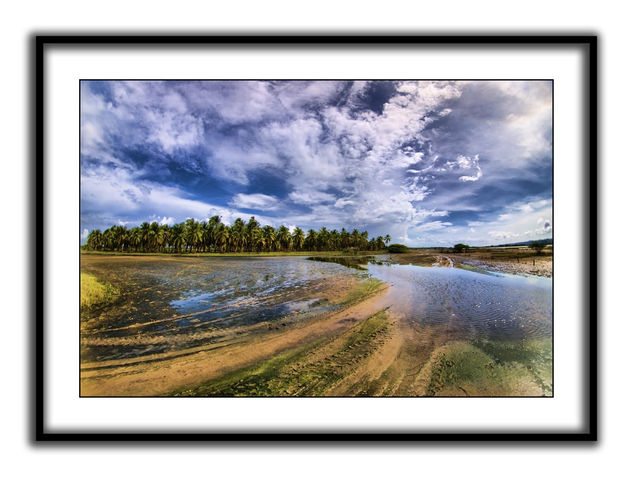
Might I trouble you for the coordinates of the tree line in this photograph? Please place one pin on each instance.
(192, 236)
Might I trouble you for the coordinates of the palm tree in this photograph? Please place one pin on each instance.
(355, 238)
(323, 239)
(212, 228)
(94, 240)
(118, 235)
(298, 238)
(364, 237)
(222, 237)
(252, 234)
(334, 238)
(162, 237)
(153, 236)
(144, 236)
(311, 240)
(212, 235)
(193, 235)
(269, 238)
(238, 235)
(345, 239)
(177, 237)
(204, 241)
(284, 238)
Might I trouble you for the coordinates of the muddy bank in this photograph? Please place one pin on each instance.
(541, 267)
(160, 373)
(512, 260)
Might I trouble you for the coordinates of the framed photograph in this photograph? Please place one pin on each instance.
(316, 238)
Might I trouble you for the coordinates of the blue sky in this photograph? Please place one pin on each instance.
(430, 163)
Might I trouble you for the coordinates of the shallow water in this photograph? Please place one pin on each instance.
(470, 305)
(166, 300)
(173, 304)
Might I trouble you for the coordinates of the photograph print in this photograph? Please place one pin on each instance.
(316, 238)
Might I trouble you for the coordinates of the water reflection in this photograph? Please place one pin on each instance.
(470, 305)
(167, 300)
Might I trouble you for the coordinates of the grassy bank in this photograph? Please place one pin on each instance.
(94, 293)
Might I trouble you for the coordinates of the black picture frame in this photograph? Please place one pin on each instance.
(588, 43)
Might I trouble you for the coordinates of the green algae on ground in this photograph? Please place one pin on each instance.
(363, 290)
(309, 370)
(534, 355)
(95, 293)
(492, 369)
(350, 261)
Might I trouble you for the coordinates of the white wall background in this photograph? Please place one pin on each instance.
(20, 20)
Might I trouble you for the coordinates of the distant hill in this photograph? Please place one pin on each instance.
(547, 241)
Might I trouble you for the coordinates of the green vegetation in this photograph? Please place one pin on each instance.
(534, 355)
(213, 236)
(461, 248)
(362, 291)
(351, 261)
(397, 248)
(538, 247)
(309, 370)
(95, 293)
(492, 368)
(302, 253)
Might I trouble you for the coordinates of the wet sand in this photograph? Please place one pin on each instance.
(149, 377)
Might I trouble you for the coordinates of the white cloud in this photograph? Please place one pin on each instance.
(161, 220)
(520, 222)
(310, 197)
(544, 229)
(84, 234)
(473, 178)
(435, 225)
(466, 163)
(172, 130)
(340, 203)
(121, 192)
(497, 235)
(254, 201)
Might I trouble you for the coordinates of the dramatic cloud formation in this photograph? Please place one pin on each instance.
(430, 163)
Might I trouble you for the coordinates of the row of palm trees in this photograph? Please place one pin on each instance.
(192, 236)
